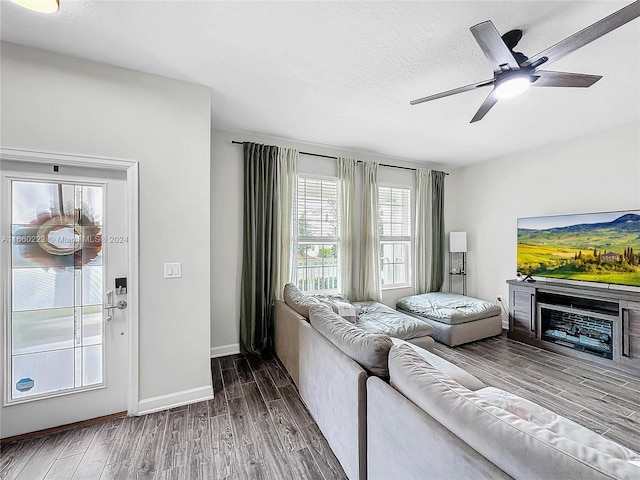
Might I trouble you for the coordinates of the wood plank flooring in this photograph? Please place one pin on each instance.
(604, 400)
(257, 427)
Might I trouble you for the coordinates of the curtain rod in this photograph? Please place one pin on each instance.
(335, 158)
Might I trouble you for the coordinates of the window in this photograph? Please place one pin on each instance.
(317, 222)
(395, 236)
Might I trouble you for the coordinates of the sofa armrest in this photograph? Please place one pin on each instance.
(333, 386)
(287, 322)
(405, 442)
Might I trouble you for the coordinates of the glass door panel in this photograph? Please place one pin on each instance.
(41, 330)
(45, 372)
(57, 288)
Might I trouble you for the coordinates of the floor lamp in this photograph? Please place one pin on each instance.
(457, 246)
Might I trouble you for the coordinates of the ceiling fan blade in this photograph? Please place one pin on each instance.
(511, 38)
(588, 35)
(489, 102)
(493, 46)
(563, 79)
(466, 88)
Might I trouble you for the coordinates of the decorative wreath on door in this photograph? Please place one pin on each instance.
(44, 241)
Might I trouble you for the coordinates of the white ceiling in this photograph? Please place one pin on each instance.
(342, 73)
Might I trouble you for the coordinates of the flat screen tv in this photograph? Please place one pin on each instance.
(590, 247)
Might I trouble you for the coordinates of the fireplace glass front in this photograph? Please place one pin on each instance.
(578, 330)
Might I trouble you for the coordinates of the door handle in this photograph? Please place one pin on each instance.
(121, 305)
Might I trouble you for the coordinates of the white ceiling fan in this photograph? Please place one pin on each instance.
(513, 72)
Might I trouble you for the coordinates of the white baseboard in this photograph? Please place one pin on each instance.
(225, 350)
(172, 400)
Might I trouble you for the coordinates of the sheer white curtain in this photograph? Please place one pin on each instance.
(285, 206)
(423, 230)
(347, 209)
(369, 285)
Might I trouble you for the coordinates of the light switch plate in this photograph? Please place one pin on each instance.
(172, 270)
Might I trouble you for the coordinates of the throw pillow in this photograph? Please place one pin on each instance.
(345, 310)
(340, 305)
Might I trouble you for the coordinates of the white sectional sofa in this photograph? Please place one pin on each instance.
(373, 317)
(393, 410)
(458, 432)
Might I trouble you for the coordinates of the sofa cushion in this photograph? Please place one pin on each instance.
(370, 350)
(298, 300)
(459, 375)
(544, 418)
(449, 308)
(334, 297)
(520, 447)
(376, 317)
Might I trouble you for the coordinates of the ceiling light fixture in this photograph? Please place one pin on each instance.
(41, 6)
(512, 86)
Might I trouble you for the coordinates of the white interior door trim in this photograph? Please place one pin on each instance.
(131, 168)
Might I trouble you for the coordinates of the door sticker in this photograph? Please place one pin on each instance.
(25, 384)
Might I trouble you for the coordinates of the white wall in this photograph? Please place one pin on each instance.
(594, 173)
(55, 103)
(226, 221)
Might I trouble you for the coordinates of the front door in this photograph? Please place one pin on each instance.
(64, 244)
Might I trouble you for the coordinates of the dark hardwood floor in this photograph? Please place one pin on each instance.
(257, 427)
(604, 400)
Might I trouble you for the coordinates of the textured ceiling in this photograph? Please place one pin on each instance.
(342, 73)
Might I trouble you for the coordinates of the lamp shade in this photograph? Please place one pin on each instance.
(457, 241)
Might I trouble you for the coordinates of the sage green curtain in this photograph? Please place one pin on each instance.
(437, 230)
(348, 213)
(369, 287)
(429, 230)
(257, 284)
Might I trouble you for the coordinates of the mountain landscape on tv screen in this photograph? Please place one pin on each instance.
(606, 252)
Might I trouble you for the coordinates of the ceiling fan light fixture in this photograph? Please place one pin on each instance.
(512, 87)
(40, 6)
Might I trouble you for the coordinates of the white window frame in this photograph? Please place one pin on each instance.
(395, 239)
(317, 239)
